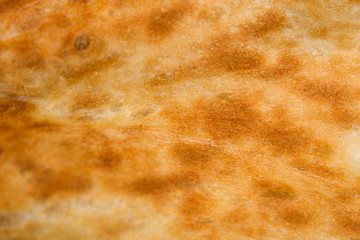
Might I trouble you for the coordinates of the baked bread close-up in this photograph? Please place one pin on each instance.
(179, 119)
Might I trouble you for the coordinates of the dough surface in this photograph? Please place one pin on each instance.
(165, 119)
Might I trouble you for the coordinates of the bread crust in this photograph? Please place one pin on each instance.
(179, 119)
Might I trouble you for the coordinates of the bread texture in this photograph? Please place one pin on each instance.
(165, 119)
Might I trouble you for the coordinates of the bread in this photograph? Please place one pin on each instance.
(161, 119)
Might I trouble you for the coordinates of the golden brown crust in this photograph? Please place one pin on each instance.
(179, 119)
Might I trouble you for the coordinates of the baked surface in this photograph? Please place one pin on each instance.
(206, 119)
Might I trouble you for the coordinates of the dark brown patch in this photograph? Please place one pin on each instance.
(194, 210)
(270, 21)
(82, 42)
(6, 220)
(286, 64)
(349, 222)
(224, 54)
(318, 169)
(160, 185)
(28, 53)
(162, 23)
(26, 166)
(231, 118)
(238, 59)
(152, 185)
(48, 183)
(340, 99)
(193, 155)
(286, 138)
(276, 190)
(109, 159)
(11, 108)
(12, 5)
(294, 217)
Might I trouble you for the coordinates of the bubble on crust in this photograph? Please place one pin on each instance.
(82, 42)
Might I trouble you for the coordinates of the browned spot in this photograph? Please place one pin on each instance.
(230, 118)
(25, 165)
(195, 208)
(79, 1)
(48, 183)
(90, 100)
(329, 91)
(276, 190)
(226, 55)
(238, 59)
(286, 138)
(286, 64)
(162, 23)
(193, 154)
(11, 5)
(270, 21)
(10, 108)
(317, 169)
(159, 185)
(109, 159)
(6, 220)
(173, 76)
(339, 98)
(154, 185)
(28, 53)
(294, 217)
(82, 42)
(349, 222)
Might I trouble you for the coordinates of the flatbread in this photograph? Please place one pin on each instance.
(206, 119)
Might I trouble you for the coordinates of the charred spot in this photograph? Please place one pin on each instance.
(49, 182)
(193, 155)
(162, 23)
(294, 217)
(268, 22)
(82, 42)
(276, 190)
